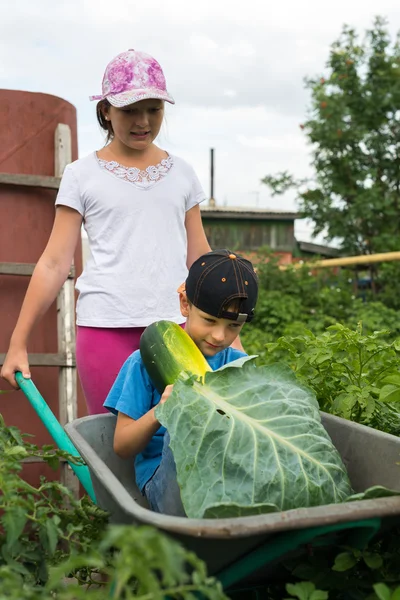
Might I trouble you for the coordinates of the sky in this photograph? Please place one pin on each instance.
(235, 69)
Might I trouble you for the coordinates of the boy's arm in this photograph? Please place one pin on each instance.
(132, 436)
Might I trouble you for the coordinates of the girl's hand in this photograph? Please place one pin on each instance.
(16, 360)
(166, 394)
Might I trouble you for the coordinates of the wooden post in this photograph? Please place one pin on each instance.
(67, 384)
(212, 202)
(273, 239)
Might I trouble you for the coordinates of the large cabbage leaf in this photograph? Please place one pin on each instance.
(248, 441)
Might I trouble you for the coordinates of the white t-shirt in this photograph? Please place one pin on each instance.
(137, 240)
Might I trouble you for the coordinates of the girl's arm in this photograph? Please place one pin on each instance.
(48, 277)
(132, 436)
(197, 243)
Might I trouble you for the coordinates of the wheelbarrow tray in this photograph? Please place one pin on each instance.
(371, 457)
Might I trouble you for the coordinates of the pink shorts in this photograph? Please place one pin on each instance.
(100, 354)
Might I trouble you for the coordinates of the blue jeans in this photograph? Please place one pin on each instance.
(162, 490)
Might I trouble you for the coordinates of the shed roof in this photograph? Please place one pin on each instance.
(247, 212)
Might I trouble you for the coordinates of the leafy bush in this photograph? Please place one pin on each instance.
(388, 284)
(375, 316)
(294, 300)
(354, 376)
(39, 526)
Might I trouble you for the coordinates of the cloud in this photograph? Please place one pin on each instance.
(276, 143)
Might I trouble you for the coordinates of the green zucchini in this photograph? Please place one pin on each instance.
(167, 351)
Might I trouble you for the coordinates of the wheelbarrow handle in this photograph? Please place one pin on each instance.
(56, 431)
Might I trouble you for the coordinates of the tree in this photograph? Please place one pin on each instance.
(354, 128)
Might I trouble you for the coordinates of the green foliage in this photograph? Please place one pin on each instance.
(343, 572)
(47, 536)
(374, 316)
(354, 128)
(388, 284)
(37, 529)
(305, 591)
(296, 299)
(290, 297)
(354, 376)
(140, 563)
(383, 592)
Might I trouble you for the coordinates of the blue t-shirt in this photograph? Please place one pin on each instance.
(134, 395)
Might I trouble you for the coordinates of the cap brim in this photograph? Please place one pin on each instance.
(132, 96)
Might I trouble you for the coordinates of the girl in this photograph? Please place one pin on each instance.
(140, 208)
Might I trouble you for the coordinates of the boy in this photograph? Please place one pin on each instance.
(218, 297)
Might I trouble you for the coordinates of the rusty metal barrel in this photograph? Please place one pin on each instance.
(29, 123)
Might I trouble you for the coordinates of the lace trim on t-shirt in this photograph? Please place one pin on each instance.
(141, 177)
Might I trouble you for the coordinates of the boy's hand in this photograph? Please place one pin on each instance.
(166, 394)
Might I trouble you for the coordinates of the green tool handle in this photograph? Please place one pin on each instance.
(56, 430)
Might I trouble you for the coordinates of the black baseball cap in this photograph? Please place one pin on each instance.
(219, 278)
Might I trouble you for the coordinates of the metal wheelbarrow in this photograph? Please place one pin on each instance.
(242, 550)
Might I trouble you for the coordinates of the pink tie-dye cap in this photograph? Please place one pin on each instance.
(132, 76)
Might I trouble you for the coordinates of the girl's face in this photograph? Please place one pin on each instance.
(137, 125)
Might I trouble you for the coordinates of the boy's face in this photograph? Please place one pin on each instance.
(210, 334)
